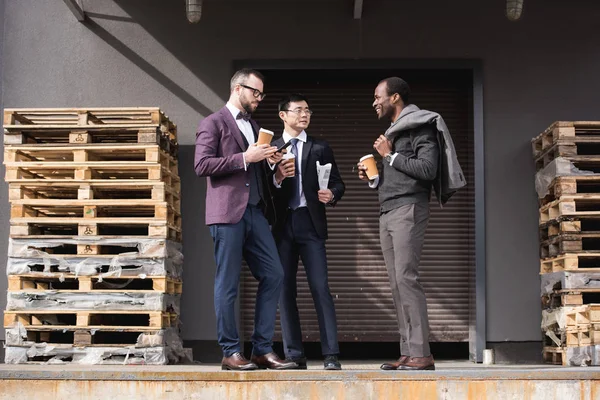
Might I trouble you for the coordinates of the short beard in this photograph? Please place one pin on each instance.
(247, 106)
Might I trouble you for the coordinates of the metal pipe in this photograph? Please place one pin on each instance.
(193, 9)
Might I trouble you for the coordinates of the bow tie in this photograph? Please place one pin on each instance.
(244, 116)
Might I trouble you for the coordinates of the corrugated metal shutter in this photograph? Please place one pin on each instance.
(343, 116)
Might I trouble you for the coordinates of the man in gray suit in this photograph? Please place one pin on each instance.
(239, 209)
(409, 168)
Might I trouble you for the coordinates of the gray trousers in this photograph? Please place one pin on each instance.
(401, 233)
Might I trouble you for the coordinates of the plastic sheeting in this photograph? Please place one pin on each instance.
(583, 356)
(26, 257)
(128, 301)
(145, 247)
(560, 166)
(159, 348)
(553, 322)
(87, 355)
(569, 280)
(118, 266)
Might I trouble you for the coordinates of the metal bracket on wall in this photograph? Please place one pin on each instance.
(358, 7)
(76, 9)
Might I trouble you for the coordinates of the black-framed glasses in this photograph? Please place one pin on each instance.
(299, 111)
(255, 92)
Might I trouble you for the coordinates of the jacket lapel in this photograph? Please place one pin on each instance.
(233, 128)
(305, 152)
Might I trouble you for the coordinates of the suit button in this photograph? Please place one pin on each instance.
(247, 184)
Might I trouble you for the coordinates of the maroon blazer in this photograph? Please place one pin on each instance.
(219, 148)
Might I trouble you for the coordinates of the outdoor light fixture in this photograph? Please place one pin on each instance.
(193, 9)
(514, 9)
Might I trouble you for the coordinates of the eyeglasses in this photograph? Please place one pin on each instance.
(255, 92)
(299, 111)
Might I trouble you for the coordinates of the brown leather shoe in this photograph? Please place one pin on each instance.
(272, 361)
(418, 363)
(237, 362)
(394, 365)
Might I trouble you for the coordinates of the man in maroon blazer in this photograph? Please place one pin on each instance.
(239, 209)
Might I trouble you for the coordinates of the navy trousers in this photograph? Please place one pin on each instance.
(251, 239)
(300, 238)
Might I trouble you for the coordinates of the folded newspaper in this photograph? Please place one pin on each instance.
(323, 172)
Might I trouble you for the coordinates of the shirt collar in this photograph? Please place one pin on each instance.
(233, 110)
(287, 137)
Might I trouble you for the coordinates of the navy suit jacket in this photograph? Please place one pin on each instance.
(313, 150)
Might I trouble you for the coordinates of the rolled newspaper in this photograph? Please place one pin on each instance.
(323, 172)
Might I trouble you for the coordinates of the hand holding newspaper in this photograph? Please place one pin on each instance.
(323, 172)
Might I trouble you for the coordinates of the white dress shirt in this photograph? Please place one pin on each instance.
(299, 146)
(245, 127)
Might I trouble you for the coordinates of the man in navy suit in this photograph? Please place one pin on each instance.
(239, 209)
(301, 229)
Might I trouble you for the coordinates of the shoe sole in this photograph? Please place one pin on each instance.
(430, 368)
(228, 368)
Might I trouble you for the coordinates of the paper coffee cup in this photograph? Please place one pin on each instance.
(264, 136)
(290, 157)
(369, 162)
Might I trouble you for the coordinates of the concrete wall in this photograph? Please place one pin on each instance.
(143, 52)
(3, 187)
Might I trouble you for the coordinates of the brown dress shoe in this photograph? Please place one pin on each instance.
(237, 362)
(394, 365)
(418, 364)
(271, 361)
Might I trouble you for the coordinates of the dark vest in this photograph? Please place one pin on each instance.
(256, 184)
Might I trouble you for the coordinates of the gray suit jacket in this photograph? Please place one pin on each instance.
(450, 177)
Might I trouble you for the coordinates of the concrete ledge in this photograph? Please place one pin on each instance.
(213, 373)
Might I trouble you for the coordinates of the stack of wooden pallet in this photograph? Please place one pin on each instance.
(94, 266)
(567, 156)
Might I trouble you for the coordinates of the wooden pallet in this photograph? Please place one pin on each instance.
(570, 297)
(68, 283)
(554, 355)
(101, 172)
(148, 337)
(39, 320)
(585, 262)
(118, 137)
(93, 209)
(582, 316)
(65, 248)
(51, 118)
(89, 153)
(47, 227)
(564, 130)
(583, 335)
(87, 190)
(570, 243)
(577, 205)
(572, 185)
(569, 149)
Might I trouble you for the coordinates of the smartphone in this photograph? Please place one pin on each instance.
(279, 150)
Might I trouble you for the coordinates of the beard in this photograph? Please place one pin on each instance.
(247, 105)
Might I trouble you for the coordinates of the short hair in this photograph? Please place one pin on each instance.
(241, 77)
(397, 85)
(291, 98)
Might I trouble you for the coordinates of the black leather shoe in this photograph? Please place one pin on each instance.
(332, 363)
(300, 361)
